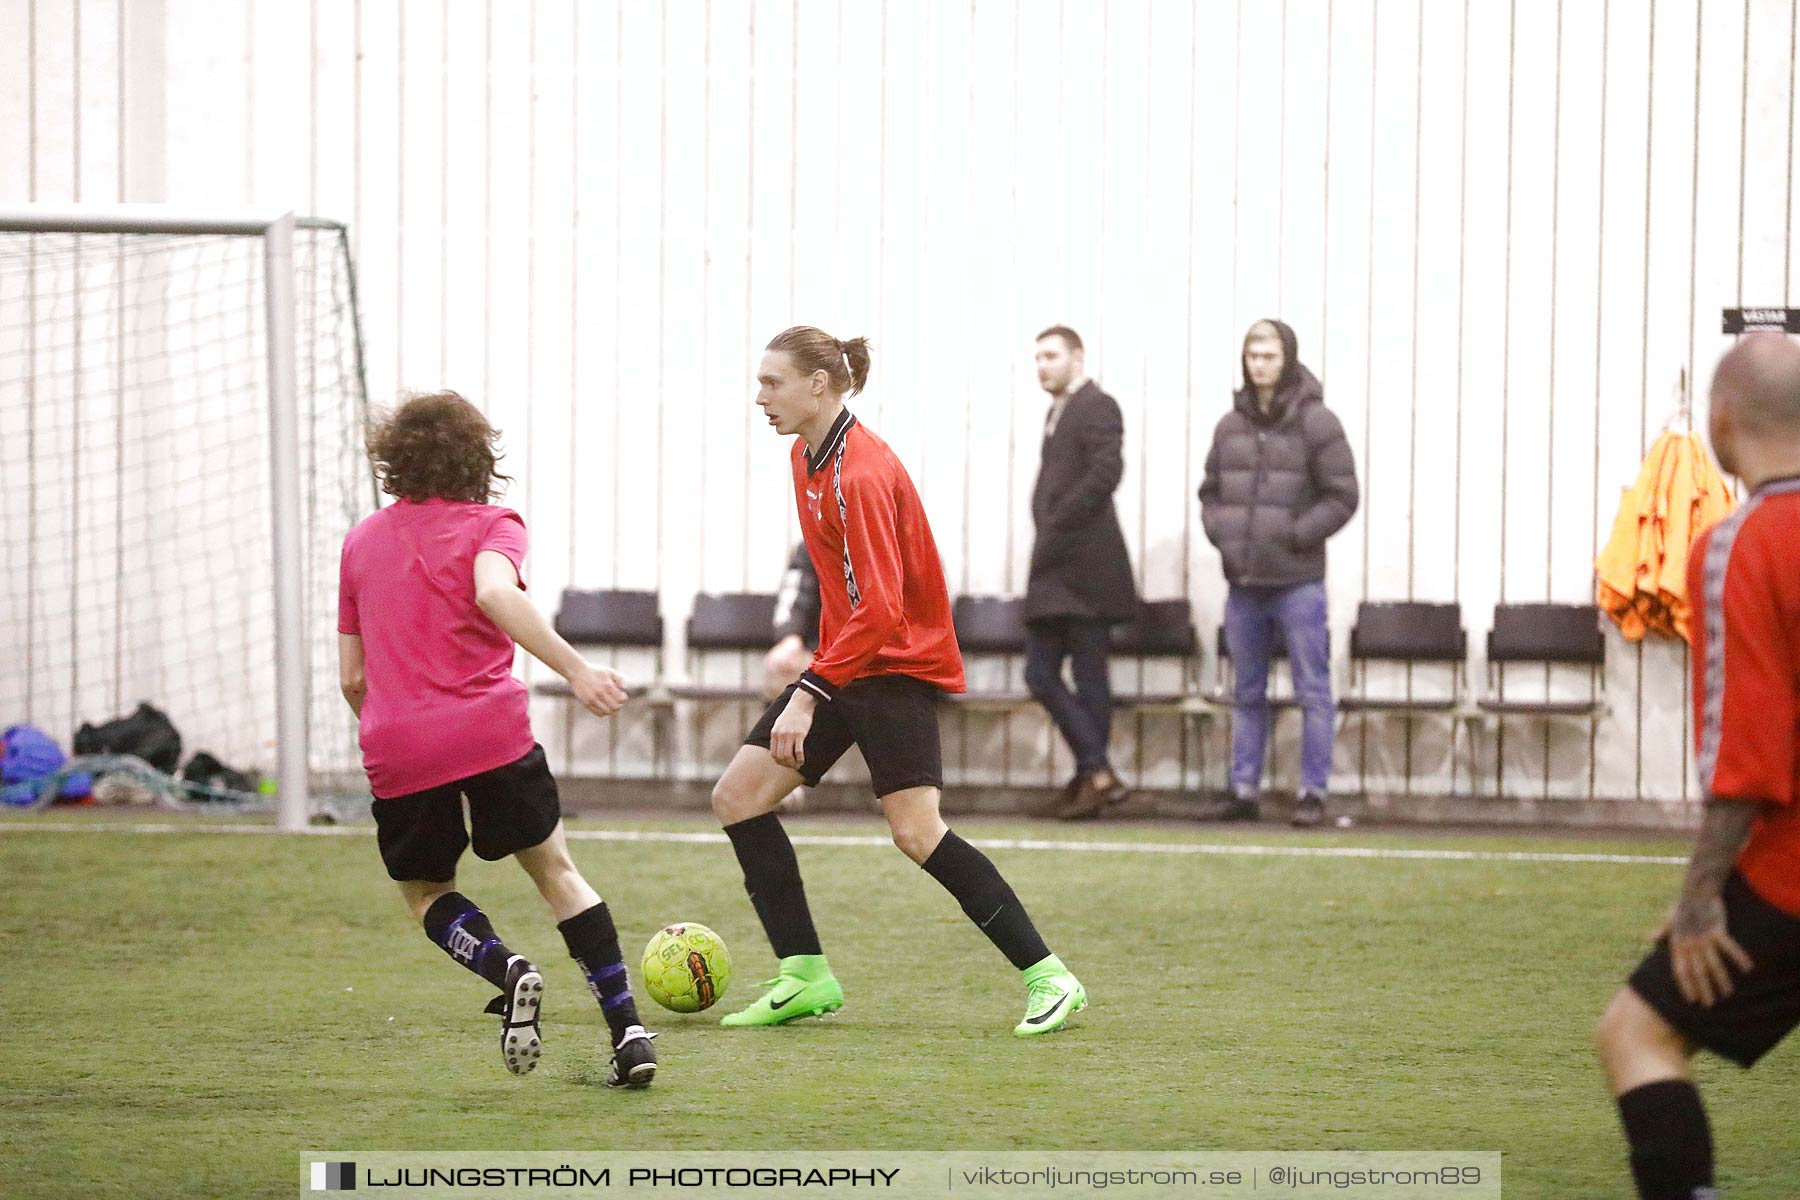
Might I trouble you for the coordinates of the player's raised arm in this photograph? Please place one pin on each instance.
(498, 593)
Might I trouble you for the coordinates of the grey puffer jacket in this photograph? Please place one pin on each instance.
(1278, 485)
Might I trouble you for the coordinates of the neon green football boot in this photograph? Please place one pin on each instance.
(805, 987)
(1052, 996)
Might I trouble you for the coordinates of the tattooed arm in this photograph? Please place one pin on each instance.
(1698, 942)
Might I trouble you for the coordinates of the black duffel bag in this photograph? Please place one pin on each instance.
(147, 733)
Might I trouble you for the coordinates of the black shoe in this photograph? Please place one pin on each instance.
(1115, 793)
(517, 1007)
(634, 1060)
(1085, 802)
(1060, 800)
(1309, 810)
(1238, 808)
(1088, 798)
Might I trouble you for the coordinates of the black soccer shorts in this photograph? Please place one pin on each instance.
(511, 808)
(892, 719)
(1763, 1007)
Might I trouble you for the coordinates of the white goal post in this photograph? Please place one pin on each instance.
(171, 293)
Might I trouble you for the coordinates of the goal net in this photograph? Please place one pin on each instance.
(143, 426)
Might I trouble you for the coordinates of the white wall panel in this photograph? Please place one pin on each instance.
(1301, 245)
(1339, 352)
(774, 175)
(1125, 252)
(1531, 229)
(1663, 742)
(987, 325)
(1574, 527)
(547, 378)
(420, 120)
(642, 227)
(18, 100)
(1389, 451)
(1481, 346)
(1433, 357)
(680, 351)
(723, 337)
(375, 206)
(56, 81)
(597, 419)
(330, 91)
(1718, 213)
(1502, 233)
(1214, 334)
(459, 237)
(1768, 91)
(100, 154)
(278, 162)
(1159, 417)
(1621, 346)
(936, 391)
(207, 106)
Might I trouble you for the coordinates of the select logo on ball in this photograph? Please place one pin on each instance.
(686, 967)
(703, 980)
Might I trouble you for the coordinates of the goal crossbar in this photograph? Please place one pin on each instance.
(149, 218)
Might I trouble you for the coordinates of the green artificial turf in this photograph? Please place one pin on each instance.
(187, 1012)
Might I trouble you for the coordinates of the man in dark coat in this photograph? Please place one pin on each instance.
(1081, 582)
(1279, 482)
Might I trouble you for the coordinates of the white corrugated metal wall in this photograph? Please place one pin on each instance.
(1503, 232)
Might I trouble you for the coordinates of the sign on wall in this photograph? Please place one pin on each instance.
(1744, 320)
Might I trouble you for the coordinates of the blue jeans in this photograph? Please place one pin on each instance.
(1255, 618)
(1084, 716)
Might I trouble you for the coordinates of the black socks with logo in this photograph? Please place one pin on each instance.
(772, 877)
(463, 932)
(594, 945)
(987, 899)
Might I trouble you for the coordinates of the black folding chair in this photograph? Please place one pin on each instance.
(611, 619)
(727, 621)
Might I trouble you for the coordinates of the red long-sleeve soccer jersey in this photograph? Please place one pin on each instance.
(885, 609)
(1744, 589)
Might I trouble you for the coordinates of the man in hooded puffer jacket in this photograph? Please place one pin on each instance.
(1279, 481)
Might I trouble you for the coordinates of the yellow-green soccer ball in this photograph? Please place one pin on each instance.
(686, 967)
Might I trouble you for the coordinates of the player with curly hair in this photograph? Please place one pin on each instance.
(430, 605)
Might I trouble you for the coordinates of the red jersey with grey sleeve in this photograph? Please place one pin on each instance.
(884, 607)
(1744, 589)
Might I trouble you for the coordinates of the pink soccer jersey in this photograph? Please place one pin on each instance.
(442, 702)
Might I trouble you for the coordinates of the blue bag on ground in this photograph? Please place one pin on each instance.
(31, 754)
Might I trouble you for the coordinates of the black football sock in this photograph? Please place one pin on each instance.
(463, 932)
(1671, 1143)
(594, 945)
(772, 877)
(987, 899)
